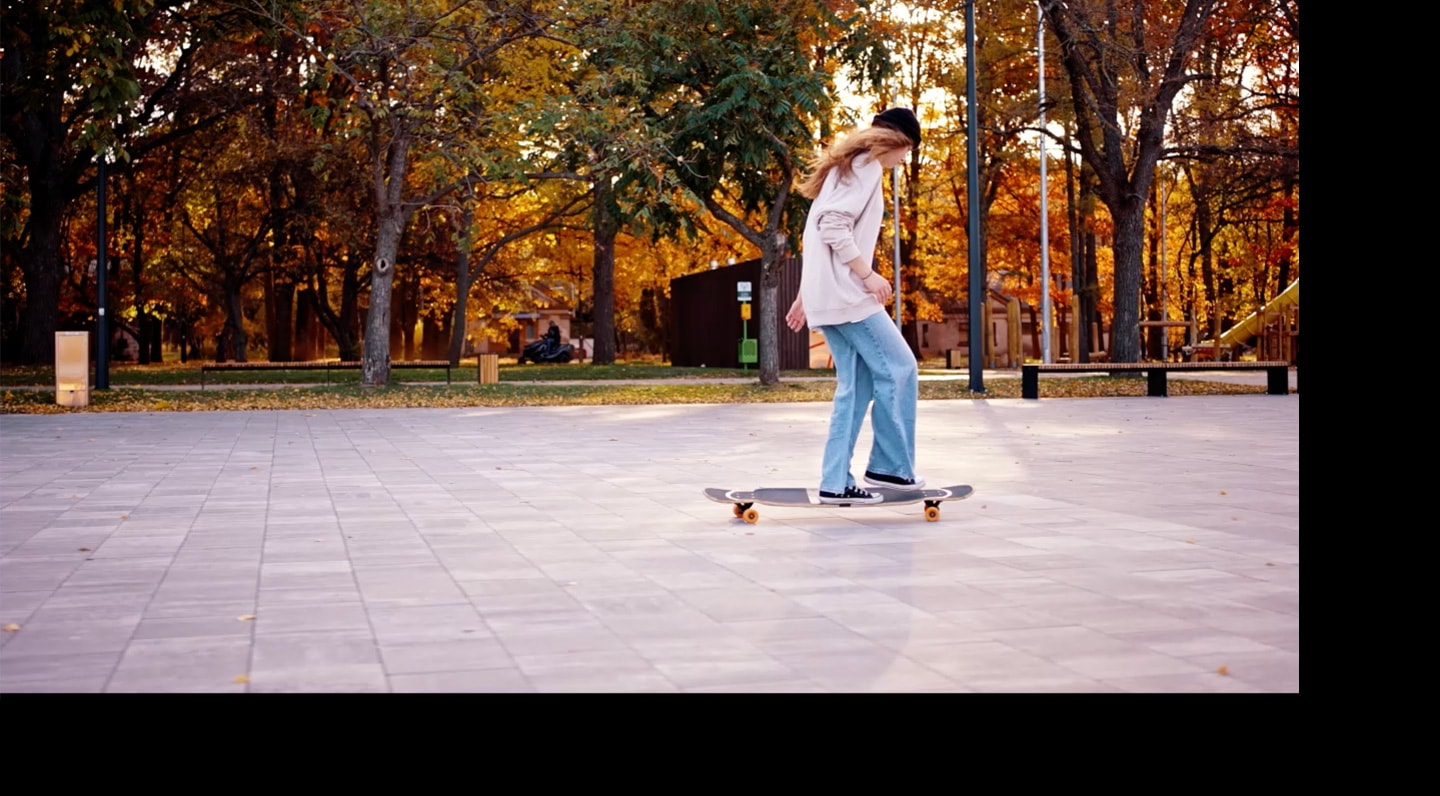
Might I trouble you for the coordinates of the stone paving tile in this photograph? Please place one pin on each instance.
(286, 618)
(784, 687)
(59, 671)
(1275, 671)
(151, 628)
(591, 681)
(739, 605)
(1183, 683)
(75, 637)
(1194, 641)
(191, 608)
(475, 681)
(576, 638)
(416, 657)
(184, 664)
(1120, 664)
(319, 678)
(971, 662)
(427, 623)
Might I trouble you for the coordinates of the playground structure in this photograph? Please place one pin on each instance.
(1273, 331)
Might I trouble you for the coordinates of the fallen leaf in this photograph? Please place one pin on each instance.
(84, 549)
(254, 468)
(246, 617)
(11, 628)
(1189, 541)
(1268, 564)
(1223, 670)
(1222, 491)
(124, 516)
(241, 679)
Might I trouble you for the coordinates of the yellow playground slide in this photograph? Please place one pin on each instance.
(1250, 326)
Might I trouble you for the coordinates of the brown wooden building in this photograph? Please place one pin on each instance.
(705, 325)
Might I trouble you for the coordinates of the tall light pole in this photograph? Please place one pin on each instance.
(102, 323)
(972, 188)
(1045, 355)
(1164, 299)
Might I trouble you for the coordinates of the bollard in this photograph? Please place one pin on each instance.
(72, 368)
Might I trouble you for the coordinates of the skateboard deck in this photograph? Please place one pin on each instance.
(743, 500)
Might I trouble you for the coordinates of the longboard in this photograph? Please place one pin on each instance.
(743, 500)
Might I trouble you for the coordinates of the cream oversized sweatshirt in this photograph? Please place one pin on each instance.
(844, 223)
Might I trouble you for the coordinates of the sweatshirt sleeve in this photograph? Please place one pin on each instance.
(847, 200)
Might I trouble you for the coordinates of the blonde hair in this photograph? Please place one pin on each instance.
(841, 155)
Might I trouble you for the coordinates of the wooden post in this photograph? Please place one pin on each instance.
(1015, 343)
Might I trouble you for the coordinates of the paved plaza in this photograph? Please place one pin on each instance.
(1115, 545)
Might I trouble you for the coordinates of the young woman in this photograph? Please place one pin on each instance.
(843, 297)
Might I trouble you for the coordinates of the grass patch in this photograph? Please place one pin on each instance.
(698, 391)
(180, 375)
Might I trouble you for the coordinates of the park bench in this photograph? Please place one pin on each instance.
(1277, 379)
(327, 366)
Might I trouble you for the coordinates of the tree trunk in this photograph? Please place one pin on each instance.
(1089, 296)
(432, 346)
(1129, 246)
(463, 280)
(41, 264)
(403, 305)
(343, 326)
(347, 331)
(279, 317)
(234, 332)
(457, 322)
(772, 254)
(606, 227)
(1152, 308)
(375, 357)
(157, 354)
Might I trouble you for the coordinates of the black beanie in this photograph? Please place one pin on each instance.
(902, 119)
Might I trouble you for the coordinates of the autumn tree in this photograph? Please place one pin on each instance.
(1125, 67)
(1236, 142)
(415, 79)
(740, 96)
(74, 85)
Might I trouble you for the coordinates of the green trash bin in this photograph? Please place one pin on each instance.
(749, 351)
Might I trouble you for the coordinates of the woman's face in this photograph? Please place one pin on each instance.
(894, 157)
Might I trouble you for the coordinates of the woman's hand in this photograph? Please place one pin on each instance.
(795, 318)
(876, 284)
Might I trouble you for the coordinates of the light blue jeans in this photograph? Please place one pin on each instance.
(872, 362)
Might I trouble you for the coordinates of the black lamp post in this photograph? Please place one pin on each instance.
(102, 323)
(977, 267)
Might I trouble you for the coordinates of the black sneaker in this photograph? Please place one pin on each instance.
(852, 494)
(880, 479)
